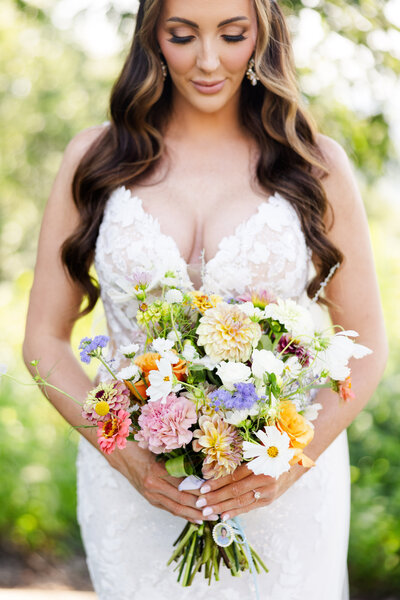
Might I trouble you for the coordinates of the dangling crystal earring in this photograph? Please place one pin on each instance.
(163, 68)
(251, 74)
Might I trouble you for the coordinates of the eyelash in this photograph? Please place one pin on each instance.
(184, 40)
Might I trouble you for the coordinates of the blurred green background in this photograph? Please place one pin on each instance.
(58, 60)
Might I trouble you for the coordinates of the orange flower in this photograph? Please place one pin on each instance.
(345, 390)
(148, 362)
(299, 430)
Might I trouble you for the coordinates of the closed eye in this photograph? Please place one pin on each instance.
(186, 39)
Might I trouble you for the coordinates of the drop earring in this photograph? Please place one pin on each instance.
(250, 73)
(163, 69)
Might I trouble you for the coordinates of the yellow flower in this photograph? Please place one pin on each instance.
(221, 443)
(227, 333)
(202, 302)
(102, 408)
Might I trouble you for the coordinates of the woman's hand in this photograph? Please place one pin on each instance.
(151, 479)
(234, 494)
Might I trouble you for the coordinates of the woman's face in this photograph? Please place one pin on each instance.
(207, 42)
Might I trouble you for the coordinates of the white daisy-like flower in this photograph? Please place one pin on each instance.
(129, 350)
(164, 347)
(174, 296)
(131, 373)
(161, 381)
(293, 316)
(265, 361)
(272, 456)
(232, 372)
(334, 353)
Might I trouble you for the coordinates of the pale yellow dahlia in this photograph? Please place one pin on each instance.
(202, 302)
(227, 333)
(221, 444)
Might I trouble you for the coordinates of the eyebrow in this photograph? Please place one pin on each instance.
(192, 24)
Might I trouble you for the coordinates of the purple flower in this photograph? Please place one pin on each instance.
(294, 349)
(219, 398)
(244, 397)
(89, 346)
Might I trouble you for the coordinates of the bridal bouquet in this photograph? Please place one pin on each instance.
(218, 382)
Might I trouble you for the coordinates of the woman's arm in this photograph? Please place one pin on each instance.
(355, 295)
(53, 309)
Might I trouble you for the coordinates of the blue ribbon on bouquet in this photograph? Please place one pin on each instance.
(238, 530)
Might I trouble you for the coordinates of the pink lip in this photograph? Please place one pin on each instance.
(209, 87)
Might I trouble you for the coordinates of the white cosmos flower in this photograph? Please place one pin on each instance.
(164, 347)
(161, 381)
(270, 457)
(129, 350)
(174, 296)
(132, 373)
(336, 352)
(264, 361)
(293, 316)
(232, 372)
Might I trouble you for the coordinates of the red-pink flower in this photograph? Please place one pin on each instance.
(165, 427)
(114, 432)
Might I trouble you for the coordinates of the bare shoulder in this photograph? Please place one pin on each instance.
(340, 184)
(81, 143)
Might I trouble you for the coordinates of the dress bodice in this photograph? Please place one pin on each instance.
(267, 251)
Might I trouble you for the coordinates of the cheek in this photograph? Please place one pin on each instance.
(179, 58)
(236, 56)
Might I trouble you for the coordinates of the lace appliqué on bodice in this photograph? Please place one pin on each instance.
(267, 251)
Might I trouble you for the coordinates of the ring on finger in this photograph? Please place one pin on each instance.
(256, 495)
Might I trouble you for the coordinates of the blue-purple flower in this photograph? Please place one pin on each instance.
(244, 397)
(90, 347)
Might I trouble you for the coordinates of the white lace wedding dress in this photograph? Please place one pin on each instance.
(303, 535)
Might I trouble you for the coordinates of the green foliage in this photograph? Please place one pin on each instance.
(49, 90)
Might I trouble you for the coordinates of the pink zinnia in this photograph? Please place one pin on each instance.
(165, 426)
(114, 393)
(114, 432)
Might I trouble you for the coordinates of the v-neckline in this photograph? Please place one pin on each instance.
(203, 264)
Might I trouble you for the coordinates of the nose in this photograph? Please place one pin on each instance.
(208, 57)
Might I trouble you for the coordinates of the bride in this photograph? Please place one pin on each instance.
(209, 167)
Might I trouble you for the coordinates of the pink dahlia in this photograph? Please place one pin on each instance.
(165, 426)
(106, 398)
(114, 432)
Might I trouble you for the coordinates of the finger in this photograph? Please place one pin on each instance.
(243, 503)
(178, 510)
(161, 486)
(214, 484)
(233, 490)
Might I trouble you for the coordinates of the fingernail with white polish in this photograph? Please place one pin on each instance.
(205, 489)
(199, 522)
(226, 518)
(213, 518)
(207, 511)
(201, 502)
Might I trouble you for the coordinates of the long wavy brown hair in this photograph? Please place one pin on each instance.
(290, 160)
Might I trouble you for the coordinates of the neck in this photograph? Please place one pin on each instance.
(188, 122)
